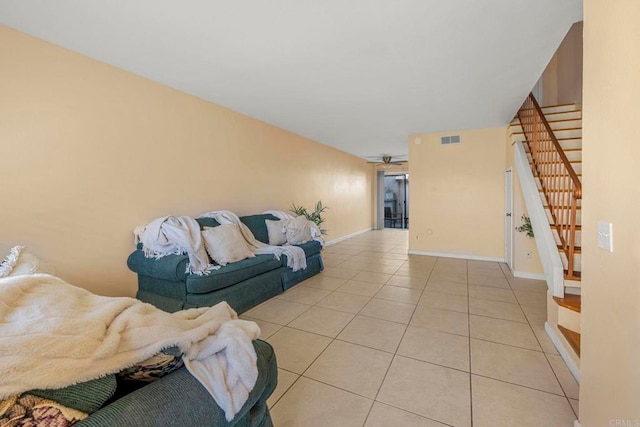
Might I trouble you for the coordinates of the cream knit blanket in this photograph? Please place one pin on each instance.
(53, 334)
(296, 258)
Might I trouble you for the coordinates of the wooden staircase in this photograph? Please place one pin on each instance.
(560, 187)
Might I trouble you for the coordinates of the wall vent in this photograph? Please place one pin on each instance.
(450, 140)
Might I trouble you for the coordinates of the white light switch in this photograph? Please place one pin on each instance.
(605, 237)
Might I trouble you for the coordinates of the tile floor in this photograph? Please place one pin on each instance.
(381, 338)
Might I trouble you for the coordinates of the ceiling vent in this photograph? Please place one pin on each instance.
(450, 140)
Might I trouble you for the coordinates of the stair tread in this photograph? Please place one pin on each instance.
(572, 337)
(578, 227)
(576, 249)
(572, 302)
(577, 276)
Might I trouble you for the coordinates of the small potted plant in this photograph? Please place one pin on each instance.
(315, 216)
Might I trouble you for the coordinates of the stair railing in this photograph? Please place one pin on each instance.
(560, 183)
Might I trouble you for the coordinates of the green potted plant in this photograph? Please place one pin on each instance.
(314, 216)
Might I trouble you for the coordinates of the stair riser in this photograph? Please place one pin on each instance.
(577, 263)
(571, 155)
(558, 199)
(578, 216)
(564, 116)
(578, 237)
(564, 143)
(569, 319)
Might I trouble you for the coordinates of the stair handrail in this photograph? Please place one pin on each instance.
(535, 127)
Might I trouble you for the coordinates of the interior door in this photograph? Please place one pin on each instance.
(508, 218)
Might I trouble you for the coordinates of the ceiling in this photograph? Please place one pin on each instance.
(358, 75)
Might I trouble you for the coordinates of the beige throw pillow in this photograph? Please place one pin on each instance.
(276, 230)
(298, 230)
(225, 244)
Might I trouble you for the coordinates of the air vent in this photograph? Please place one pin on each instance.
(449, 140)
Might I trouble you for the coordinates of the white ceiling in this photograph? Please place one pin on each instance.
(358, 75)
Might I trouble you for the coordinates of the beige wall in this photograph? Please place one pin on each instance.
(90, 151)
(522, 265)
(457, 193)
(562, 79)
(610, 364)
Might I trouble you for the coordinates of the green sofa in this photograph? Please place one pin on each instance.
(178, 399)
(164, 282)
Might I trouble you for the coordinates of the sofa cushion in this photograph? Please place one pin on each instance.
(207, 222)
(311, 248)
(257, 225)
(277, 237)
(87, 397)
(225, 244)
(232, 274)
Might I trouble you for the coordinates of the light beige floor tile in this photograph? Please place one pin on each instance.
(528, 285)
(445, 301)
(400, 294)
(360, 288)
(407, 282)
(494, 294)
(278, 311)
(324, 282)
(575, 405)
(515, 365)
(388, 310)
(483, 265)
(567, 382)
(532, 298)
(339, 273)
(449, 276)
(436, 347)
(410, 272)
(487, 273)
(543, 339)
(390, 262)
(497, 309)
(371, 277)
(309, 403)
(391, 255)
(382, 415)
(496, 282)
(304, 295)
(444, 287)
(375, 333)
(432, 391)
(496, 403)
(351, 367)
(285, 380)
(342, 301)
(322, 321)
(503, 332)
(295, 349)
(331, 262)
(536, 315)
(266, 328)
(441, 320)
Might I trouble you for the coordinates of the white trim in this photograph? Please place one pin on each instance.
(575, 371)
(547, 247)
(348, 236)
(454, 255)
(525, 275)
(508, 238)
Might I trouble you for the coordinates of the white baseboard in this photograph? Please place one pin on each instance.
(553, 335)
(348, 236)
(525, 275)
(454, 255)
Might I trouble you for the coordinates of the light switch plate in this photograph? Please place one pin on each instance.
(605, 235)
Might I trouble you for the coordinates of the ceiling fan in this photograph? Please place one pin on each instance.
(386, 160)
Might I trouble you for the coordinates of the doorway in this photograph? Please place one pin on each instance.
(396, 200)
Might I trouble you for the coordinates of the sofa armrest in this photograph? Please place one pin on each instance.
(170, 267)
(180, 400)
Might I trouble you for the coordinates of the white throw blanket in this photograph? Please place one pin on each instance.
(296, 259)
(54, 335)
(299, 226)
(172, 235)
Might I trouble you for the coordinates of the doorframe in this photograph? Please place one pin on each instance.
(508, 211)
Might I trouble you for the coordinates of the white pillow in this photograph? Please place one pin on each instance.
(276, 230)
(298, 230)
(19, 263)
(225, 244)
